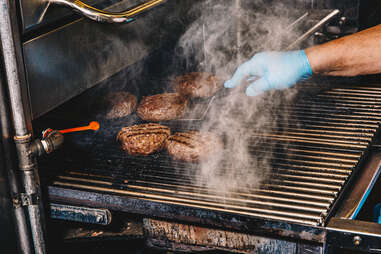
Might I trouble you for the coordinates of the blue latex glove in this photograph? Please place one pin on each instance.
(273, 70)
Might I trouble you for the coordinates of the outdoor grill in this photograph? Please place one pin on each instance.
(322, 147)
(332, 133)
(319, 152)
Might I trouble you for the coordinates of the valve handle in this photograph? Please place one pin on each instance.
(92, 126)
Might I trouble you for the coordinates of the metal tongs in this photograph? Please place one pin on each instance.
(104, 16)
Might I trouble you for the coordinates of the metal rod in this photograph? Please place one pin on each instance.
(15, 75)
(328, 108)
(305, 134)
(290, 203)
(216, 206)
(315, 174)
(354, 104)
(22, 230)
(336, 170)
(198, 194)
(353, 114)
(375, 88)
(313, 29)
(302, 189)
(267, 191)
(336, 124)
(11, 69)
(313, 140)
(320, 179)
(253, 192)
(356, 156)
(342, 97)
(241, 192)
(362, 93)
(297, 21)
(310, 108)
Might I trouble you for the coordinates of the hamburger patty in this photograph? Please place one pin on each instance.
(143, 139)
(197, 84)
(193, 146)
(162, 107)
(120, 104)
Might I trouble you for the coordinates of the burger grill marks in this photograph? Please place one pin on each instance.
(193, 146)
(143, 139)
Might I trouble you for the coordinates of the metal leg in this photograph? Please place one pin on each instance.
(15, 76)
(22, 230)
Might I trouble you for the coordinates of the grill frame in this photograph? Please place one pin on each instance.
(26, 100)
(202, 216)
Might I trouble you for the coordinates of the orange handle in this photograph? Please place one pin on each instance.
(92, 126)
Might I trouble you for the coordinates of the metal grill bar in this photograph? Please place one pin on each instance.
(316, 146)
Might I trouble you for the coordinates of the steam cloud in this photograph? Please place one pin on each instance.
(226, 34)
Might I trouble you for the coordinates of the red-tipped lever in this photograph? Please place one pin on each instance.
(92, 126)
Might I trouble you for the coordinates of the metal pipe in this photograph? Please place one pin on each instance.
(14, 75)
(108, 17)
(22, 230)
(313, 29)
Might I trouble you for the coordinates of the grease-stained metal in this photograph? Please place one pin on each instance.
(164, 234)
(174, 211)
(80, 214)
(354, 234)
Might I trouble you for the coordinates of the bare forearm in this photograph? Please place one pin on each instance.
(356, 54)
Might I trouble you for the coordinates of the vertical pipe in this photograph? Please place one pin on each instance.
(22, 230)
(14, 75)
(11, 69)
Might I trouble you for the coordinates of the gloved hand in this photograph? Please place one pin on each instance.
(273, 70)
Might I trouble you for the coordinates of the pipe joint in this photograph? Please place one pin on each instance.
(25, 153)
(51, 141)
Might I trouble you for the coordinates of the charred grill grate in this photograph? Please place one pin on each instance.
(334, 129)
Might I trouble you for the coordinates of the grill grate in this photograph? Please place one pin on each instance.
(334, 129)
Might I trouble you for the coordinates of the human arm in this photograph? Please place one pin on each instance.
(356, 54)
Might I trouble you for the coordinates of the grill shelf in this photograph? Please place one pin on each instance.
(327, 135)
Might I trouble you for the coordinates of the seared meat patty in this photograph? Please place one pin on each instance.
(143, 139)
(193, 146)
(120, 104)
(197, 84)
(162, 107)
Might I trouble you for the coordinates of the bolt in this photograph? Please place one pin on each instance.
(357, 240)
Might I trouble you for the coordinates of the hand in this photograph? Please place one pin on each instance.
(274, 70)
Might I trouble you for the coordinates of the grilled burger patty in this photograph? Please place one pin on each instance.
(193, 146)
(120, 104)
(162, 107)
(197, 84)
(143, 139)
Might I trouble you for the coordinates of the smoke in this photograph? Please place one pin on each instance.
(226, 34)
